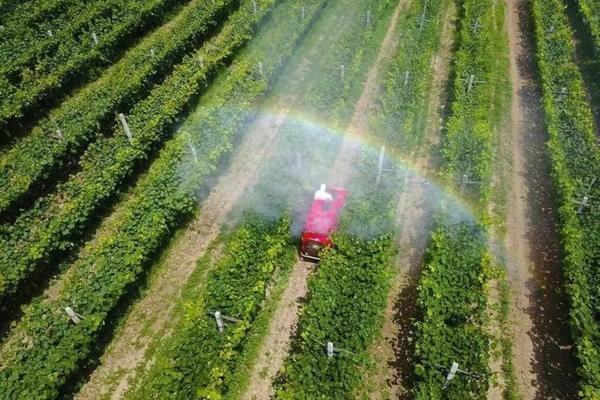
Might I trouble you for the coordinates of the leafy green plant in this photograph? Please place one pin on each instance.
(48, 67)
(58, 220)
(452, 304)
(404, 102)
(40, 156)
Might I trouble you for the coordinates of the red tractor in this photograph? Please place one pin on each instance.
(322, 221)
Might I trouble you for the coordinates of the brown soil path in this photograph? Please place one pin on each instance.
(393, 350)
(543, 358)
(275, 347)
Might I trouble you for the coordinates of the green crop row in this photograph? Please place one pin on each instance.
(32, 30)
(591, 13)
(75, 56)
(346, 297)
(58, 220)
(452, 292)
(56, 347)
(575, 158)
(39, 157)
(451, 304)
(15, 17)
(467, 142)
(197, 361)
(403, 106)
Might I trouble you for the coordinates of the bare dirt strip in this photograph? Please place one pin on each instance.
(393, 350)
(543, 359)
(275, 347)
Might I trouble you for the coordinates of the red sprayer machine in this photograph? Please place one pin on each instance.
(322, 221)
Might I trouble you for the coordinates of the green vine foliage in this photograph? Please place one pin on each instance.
(56, 348)
(575, 157)
(452, 303)
(197, 361)
(404, 103)
(40, 156)
(591, 13)
(21, 18)
(57, 221)
(47, 69)
(467, 142)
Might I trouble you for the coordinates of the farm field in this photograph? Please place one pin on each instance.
(300, 199)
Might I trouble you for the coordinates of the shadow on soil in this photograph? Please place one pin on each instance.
(554, 364)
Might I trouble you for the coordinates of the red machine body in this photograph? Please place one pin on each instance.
(321, 222)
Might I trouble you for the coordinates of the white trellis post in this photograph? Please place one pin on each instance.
(49, 33)
(95, 37)
(454, 370)
(406, 77)
(342, 72)
(152, 52)
(451, 374)
(471, 81)
(219, 320)
(465, 179)
(126, 127)
(423, 19)
(255, 6)
(368, 17)
(193, 150)
(561, 94)
(380, 166)
(583, 204)
(330, 349)
(75, 317)
(476, 25)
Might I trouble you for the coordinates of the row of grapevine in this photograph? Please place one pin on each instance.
(37, 159)
(28, 35)
(57, 221)
(195, 342)
(575, 155)
(452, 292)
(29, 14)
(451, 305)
(347, 294)
(56, 347)
(18, 15)
(197, 361)
(404, 103)
(591, 14)
(75, 57)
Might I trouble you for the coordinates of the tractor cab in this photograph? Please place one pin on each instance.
(322, 221)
